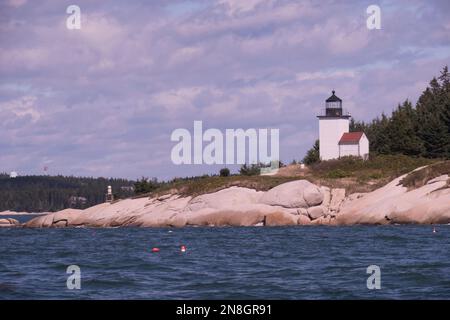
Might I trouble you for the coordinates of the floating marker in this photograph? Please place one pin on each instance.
(183, 249)
(155, 249)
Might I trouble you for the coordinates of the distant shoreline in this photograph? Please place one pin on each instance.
(13, 213)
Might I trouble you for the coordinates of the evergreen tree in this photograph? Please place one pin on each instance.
(434, 135)
(379, 136)
(433, 117)
(312, 156)
(402, 131)
(356, 126)
(445, 92)
(145, 185)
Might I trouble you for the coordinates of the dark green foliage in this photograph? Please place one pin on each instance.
(224, 172)
(145, 185)
(251, 170)
(357, 126)
(312, 156)
(53, 193)
(434, 134)
(403, 131)
(420, 131)
(336, 174)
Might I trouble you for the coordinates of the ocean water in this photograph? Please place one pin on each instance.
(226, 263)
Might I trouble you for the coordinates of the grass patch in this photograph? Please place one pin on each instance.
(421, 177)
(353, 174)
(197, 186)
(382, 166)
(336, 174)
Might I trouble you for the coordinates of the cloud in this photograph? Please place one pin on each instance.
(322, 75)
(233, 7)
(22, 107)
(104, 100)
(184, 55)
(16, 3)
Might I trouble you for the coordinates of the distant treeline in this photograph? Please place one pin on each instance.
(53, 193)
(423, 130)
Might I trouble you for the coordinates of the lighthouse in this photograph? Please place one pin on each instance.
(335, 140)
(333, 123)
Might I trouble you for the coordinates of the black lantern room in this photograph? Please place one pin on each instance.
(333, 106)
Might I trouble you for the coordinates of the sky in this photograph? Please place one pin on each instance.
(103, 100)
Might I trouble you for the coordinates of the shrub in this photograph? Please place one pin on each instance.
(252, 170)
(146, 185)
(224, 172)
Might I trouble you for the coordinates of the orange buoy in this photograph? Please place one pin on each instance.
(183, 249)
(155, 249)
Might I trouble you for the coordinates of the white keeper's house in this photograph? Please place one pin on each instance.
(335, 140)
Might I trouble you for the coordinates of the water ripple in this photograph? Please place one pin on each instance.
(226, 263)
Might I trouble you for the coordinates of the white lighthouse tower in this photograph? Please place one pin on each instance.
(333, 123)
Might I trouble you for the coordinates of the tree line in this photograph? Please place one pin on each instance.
(53, 193)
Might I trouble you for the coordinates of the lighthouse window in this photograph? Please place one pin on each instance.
(333, 105)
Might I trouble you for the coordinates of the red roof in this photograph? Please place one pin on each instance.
(351, 137)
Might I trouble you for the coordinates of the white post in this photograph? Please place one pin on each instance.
(109, 195)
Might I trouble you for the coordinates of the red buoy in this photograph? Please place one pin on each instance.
(155, 249)
(183, 249)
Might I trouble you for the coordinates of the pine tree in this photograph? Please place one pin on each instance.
(434, 135)
(402, 131)
(378, 135)
(312, 156)
(356, 126)
(445, 94)
(433, 117)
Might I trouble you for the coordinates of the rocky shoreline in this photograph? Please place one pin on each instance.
(9, 222)
(293, 203)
